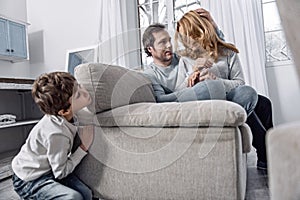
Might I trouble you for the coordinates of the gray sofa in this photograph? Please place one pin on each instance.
(283, 142)
(283, 147)
(148, 150)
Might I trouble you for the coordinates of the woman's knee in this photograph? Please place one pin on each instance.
(245, 96)
(245, 93)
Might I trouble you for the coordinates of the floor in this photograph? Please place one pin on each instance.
(257, 182)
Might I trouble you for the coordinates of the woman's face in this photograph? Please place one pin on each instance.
(189, 41)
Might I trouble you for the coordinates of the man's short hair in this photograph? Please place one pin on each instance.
(148, 38)
(52, 91)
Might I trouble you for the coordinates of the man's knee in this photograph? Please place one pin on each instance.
(264, 101)
(86, 193)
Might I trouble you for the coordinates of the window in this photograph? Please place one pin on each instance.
(183, 6)
(162, 11)
(152, 11)
(168, 12)
(276, 46)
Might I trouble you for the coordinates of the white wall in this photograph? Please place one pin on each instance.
(9, 9)
(284, 91)
(58, 26)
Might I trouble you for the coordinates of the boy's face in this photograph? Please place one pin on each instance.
(80, 99)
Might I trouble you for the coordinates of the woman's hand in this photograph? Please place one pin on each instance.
(201, 63)
(193, 78)
(206, 75)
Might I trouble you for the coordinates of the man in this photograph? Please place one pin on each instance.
(170, 81)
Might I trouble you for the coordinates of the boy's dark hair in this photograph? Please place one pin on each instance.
(148, 38)
(52, 91)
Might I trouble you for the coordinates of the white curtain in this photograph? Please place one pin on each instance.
(118, 35)
(242, 23)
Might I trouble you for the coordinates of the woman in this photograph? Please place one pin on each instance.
(212, 58)
(207, 57)
(205, 52)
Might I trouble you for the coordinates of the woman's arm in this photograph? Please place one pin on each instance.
(235, 72)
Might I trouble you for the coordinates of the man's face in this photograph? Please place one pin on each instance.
(162, 51)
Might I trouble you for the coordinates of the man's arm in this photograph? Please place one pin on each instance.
(161, 95)
(159, 91)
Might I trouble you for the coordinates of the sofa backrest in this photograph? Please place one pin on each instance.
(113, 86)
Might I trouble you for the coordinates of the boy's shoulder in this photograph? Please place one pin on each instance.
(51, 119)
(50, 123)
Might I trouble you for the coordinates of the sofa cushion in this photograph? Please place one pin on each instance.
(113, 86)
(216, 113)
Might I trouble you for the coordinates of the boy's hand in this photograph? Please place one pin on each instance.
(86, 135)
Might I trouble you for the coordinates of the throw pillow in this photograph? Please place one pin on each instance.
(113, 86)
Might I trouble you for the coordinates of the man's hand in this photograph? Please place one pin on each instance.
(204, 13)
(86, 135)
(193, 78)
(206, 75)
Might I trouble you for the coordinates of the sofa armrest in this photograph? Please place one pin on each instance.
(246, 138)
(217, 113)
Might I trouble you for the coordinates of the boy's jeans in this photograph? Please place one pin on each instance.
(47, 187)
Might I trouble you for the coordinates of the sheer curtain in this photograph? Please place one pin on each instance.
(118, 35)
(242, 23)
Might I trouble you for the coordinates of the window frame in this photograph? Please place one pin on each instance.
(279, 62)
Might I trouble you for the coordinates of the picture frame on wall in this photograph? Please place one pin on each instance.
(79, 56)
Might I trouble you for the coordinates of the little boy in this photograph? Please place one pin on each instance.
(43, 167)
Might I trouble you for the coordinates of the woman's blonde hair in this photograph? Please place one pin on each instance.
(193, 29)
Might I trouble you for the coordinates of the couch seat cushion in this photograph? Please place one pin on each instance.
(173, 114)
